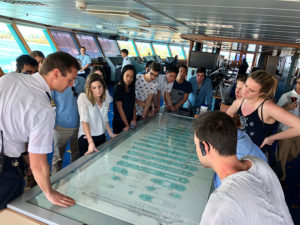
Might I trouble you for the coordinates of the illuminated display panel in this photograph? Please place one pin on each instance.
(109, 47)
(36, 39)
(9, 46)
(177, 50)
(90, 45)
(150, 175)
(144, 48)
(161, 50)
(127, 45)
(65, 42)
(186, 51)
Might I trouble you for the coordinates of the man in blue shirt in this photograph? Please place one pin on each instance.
(202, 90)
(85, 62)
(66, 123)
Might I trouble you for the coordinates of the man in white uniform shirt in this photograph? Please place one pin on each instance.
(289, 148)
(126, 60)
(27, 115)
(250, 192)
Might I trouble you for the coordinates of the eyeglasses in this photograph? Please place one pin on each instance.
(74, 92)
(153, 74)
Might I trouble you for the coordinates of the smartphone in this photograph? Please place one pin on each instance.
(294, 99)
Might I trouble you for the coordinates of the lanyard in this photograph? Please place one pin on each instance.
(51, 100)
(2, 146)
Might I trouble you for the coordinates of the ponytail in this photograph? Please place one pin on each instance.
(268, 83)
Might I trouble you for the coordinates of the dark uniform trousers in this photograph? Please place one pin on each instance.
(11, 180)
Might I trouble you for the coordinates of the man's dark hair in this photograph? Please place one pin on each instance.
(60, 60)
(217, 129)
(25, 60)
(155, 67)
(83, 47)
(36, 53)
(149, 63)
(173, 69)
(184, 66)
(100, 68)
(125, 51)
(201, 70)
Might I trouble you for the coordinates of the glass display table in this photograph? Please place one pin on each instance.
(148, 175)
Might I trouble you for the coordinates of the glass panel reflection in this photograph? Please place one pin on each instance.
(161, 50)
(36, 39)
(9, 49)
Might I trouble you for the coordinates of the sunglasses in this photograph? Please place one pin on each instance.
(74, 92)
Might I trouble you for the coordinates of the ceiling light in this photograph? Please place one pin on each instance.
(117, 13)
(161, 27)
(209, 25)
(288, 0)
(30, 3)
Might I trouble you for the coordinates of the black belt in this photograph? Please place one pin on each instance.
(14, 164)
(10, 163)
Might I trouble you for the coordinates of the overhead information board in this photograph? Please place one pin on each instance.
(109, 47)
(65, 42)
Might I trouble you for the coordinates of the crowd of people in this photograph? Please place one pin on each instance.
(77, 107)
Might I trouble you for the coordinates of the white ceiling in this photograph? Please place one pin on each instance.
(264, 20)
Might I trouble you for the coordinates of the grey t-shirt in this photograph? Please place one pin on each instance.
(248, 197)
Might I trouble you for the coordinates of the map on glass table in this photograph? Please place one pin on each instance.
(151, 177)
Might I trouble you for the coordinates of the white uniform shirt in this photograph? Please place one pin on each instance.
(163, 85)
(249, 197)
(142, 91)
(95, 115)
(286, 99)
(126, 61)
(26, 114)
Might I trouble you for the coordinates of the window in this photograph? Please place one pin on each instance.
(161, 50)
(109, 47)
(90, 45)
(225, 54)
(144, 48)
(251, 47)
(234, 46)
(177, 50)
(9, 49)
(249, 59)
(186, 51)
(65, 42)
(232, 56)
(36, 39)
(129, 46)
